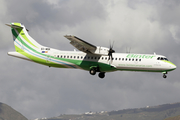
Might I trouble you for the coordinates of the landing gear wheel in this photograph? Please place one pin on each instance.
(101, 74)
(164, 76)
(92, 71)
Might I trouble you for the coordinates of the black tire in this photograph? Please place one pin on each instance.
(101, 74)
(92, 71)
(164, 76)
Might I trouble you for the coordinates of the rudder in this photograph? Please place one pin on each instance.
(22, 40)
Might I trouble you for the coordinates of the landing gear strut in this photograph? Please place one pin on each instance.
(164, 75)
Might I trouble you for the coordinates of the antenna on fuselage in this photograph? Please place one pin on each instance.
(154, 53)
(128, 50)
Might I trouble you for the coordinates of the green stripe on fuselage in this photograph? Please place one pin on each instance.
(87, 64)
(168, 62)
(39, 60)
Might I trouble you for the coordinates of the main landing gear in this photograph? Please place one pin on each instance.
(93, 71)
(101, 74)
(164, 75)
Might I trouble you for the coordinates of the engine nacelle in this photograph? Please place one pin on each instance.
(101, 50)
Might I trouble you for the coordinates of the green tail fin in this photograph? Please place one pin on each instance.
(22, 40)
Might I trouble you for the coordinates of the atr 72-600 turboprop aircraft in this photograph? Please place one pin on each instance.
(92, 58)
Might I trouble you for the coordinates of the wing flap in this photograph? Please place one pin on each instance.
(81, 44)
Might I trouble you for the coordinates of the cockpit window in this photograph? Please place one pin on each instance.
(166, 59)
(161, 58)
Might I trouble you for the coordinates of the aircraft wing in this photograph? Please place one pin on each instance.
(81, 44)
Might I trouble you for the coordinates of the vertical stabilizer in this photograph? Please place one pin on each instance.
(22, 40)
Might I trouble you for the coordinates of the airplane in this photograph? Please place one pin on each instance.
(89, 57)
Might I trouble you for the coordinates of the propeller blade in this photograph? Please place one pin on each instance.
(111, 51)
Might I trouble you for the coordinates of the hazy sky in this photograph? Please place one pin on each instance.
(145, 26)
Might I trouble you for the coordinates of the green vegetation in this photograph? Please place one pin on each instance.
(174, 118)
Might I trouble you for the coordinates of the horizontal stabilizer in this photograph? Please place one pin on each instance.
(18, 55)
(14, 26)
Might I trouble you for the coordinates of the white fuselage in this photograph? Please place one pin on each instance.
(121, 61)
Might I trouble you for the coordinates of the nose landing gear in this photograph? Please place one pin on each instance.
(164, 75)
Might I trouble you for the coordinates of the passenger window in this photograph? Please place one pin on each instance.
(129, 59)
(119, 58)
(132, 59)
(95, 58)
(136, 59)
(81, 57)
(126, 59)
(116, 59)
(162, 58)
(91, 57)
(64, 56)
(122, 59)
(71, 56)
(77, 57)
(61, 56)
(67, 56)
(139, 59)
(105, 58)
(58, 56)
(88, 57)
(74, 57)
(102, 58)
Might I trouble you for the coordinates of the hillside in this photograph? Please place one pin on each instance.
(174, 118)
(8, 113)
(160, 112)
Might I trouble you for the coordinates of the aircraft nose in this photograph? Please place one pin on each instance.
(173, 66)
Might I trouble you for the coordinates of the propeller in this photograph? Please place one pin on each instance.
(111, 51)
